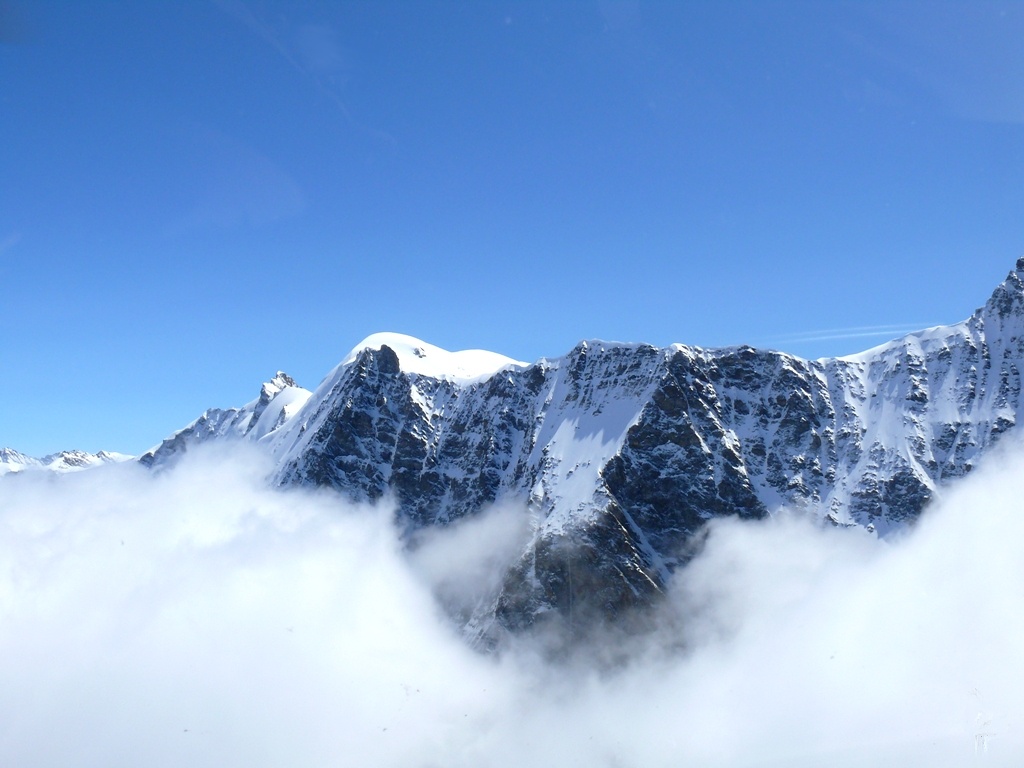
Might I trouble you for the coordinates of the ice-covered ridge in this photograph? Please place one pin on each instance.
(416, 356)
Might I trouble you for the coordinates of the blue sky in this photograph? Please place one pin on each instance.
(194, 195)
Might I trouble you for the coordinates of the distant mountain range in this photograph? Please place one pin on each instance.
(621, 452)
(65, 461)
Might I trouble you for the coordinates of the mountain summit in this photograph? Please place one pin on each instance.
(621, 452)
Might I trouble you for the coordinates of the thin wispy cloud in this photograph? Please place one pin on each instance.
(9, 242)
(240, 11)
(313, 51)
(855, 332)
(238, 186)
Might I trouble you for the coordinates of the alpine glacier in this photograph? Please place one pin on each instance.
(619, 453)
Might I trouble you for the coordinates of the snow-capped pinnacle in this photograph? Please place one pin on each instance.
(281, 380)
(416, 356)
(270, 388)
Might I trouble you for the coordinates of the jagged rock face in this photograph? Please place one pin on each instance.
(620, 453)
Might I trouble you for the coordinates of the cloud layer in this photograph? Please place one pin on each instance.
(197, 618)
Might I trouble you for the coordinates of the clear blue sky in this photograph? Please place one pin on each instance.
(194, 195)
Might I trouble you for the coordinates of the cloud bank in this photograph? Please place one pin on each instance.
(197, 618)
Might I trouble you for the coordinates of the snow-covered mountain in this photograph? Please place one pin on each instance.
(621, 452)
(65, 461)
(280, 399)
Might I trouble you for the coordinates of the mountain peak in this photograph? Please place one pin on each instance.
(1008, 297)
(281, 380)
(270, 388)
(11, 456)
(416, 356)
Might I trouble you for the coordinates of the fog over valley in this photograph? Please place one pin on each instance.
(196, 617)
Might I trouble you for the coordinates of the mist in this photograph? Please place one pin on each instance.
(196, 617)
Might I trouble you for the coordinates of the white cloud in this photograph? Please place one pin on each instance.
(463, 563)
(195, 618)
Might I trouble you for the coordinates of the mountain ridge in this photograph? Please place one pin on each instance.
(620, 453)
(12, 461)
